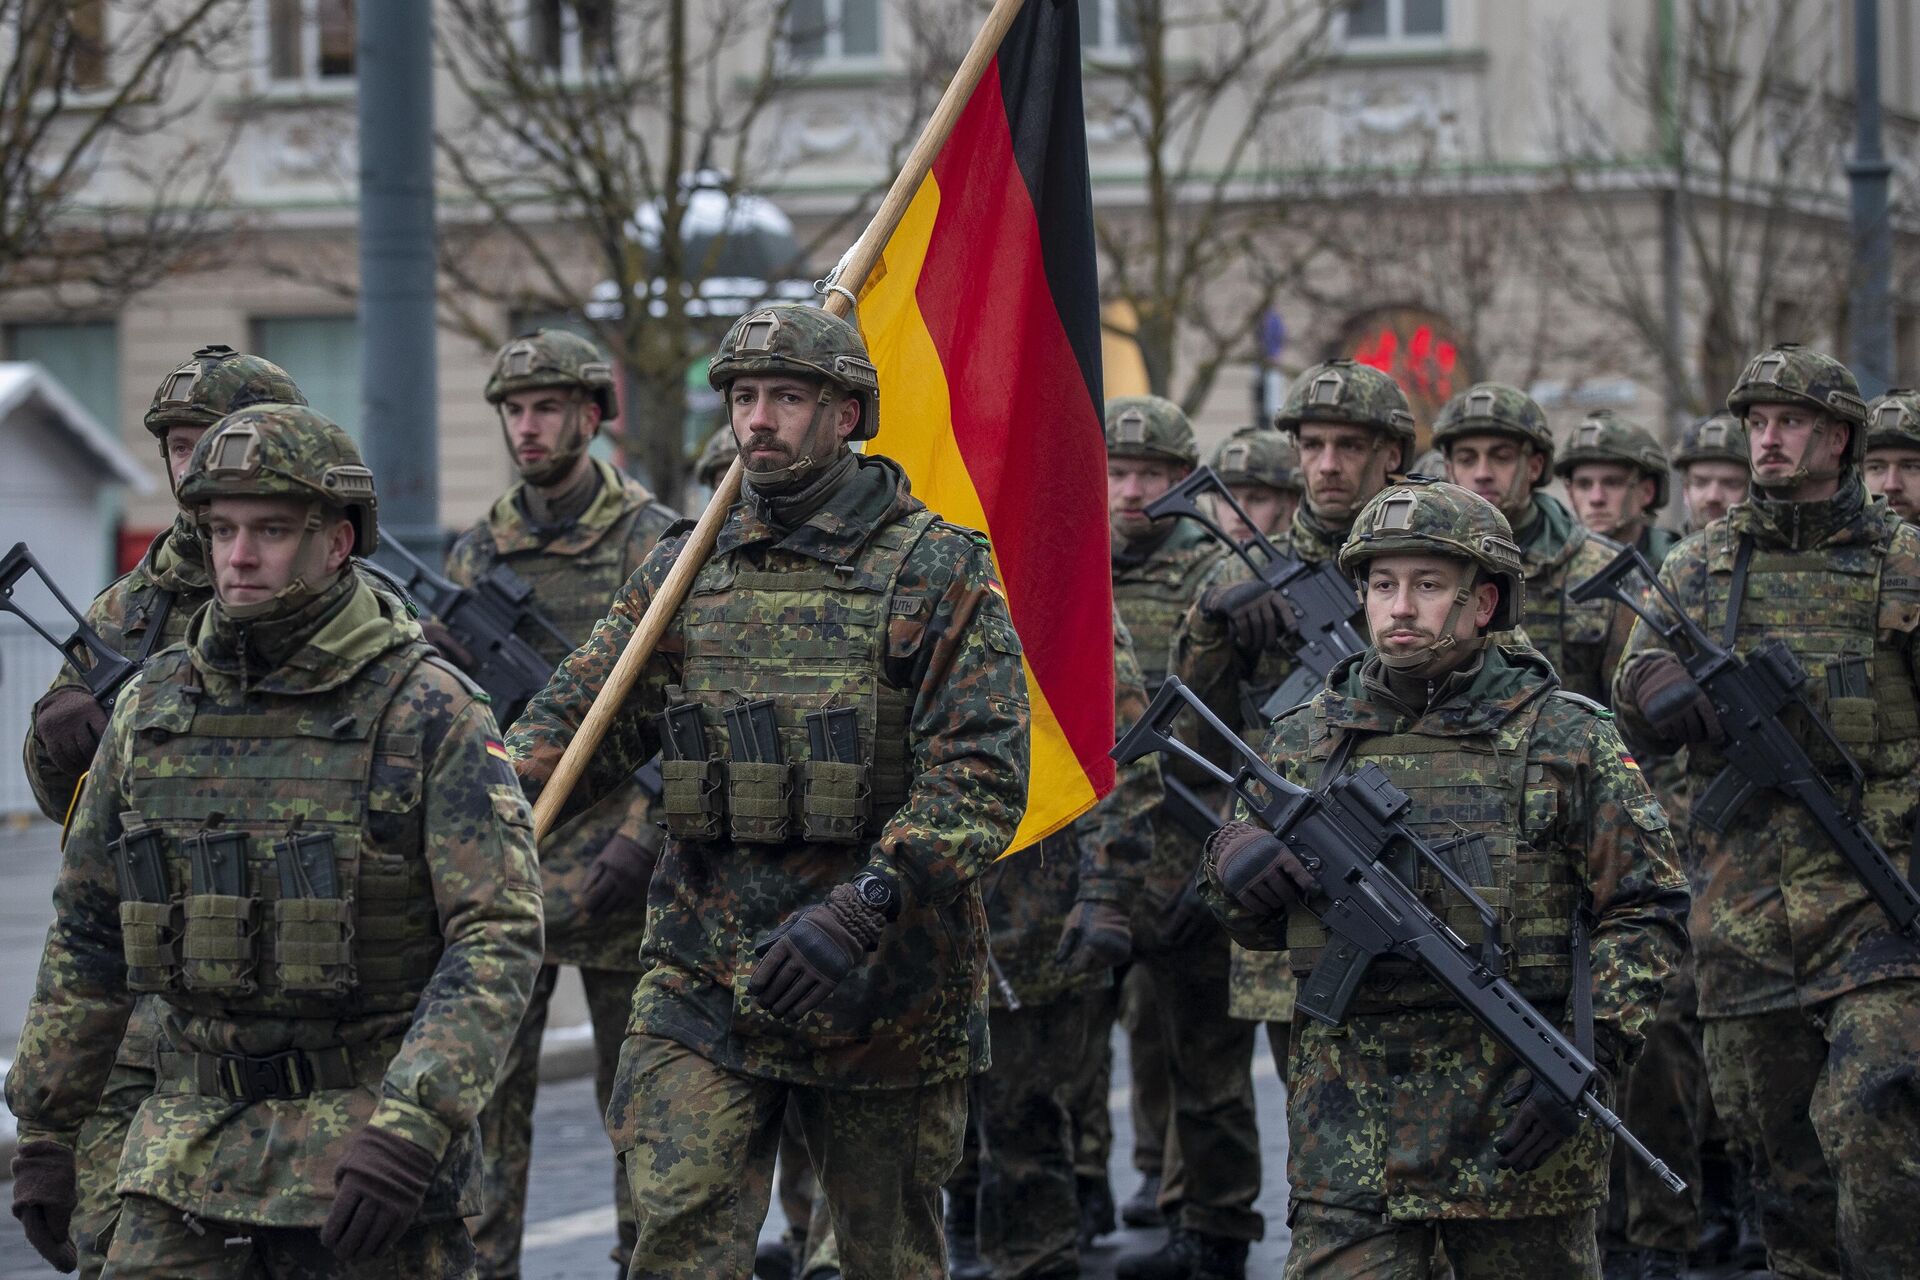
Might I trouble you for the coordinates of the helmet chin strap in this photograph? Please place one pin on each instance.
(555, 466)
(1428, 656)
(297, 592)
(1802, 473)
(781, 479)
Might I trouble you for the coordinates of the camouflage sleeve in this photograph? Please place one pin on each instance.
(540, 736)
(486, 888)
(969, 725)
(1683, 575)
(1116, 839)
(643, 535)
(470, 556)
(80, 1002)
(1204, 656)
(1639, 895)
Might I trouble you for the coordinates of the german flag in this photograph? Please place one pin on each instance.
(983, 317)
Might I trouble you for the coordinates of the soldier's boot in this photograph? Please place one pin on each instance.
(1187, 1255)
(1096, 1208)
(779, 1259)
(1620, 1264)
(1749, 1249)
(1662, 1264)
(1142, 1208)
(963, 1240)
(1719, 1221)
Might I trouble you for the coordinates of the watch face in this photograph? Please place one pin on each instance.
(874, 891)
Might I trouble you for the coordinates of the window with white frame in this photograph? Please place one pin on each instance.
(571, 37)
(309, 41)
(1374, 23)
(834, 30)
(1109, 27)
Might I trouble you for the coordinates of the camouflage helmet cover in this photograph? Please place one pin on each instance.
(720, 451)
(284, 451)
(1150, 427)
(1437, 518)
(1789, 373)
(1259, 455)
(1721, 438)
(1494, 408)
(215, 381)
(1893, 420)
(1605, 436)
(794, 338)
(552, 358)
(1344, 391)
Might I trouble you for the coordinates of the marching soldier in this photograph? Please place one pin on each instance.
(844, 717)
(302, 837)
(1402, 1136)
(1209, 1173)
(1617, 475)
(1498, 445)
(1893, 451)
(1809, 998)
(139, 614)
(1712, 462)
(573, 529)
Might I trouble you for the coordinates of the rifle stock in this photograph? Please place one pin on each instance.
(101, 668)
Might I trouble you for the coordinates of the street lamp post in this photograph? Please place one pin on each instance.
(1869, 308)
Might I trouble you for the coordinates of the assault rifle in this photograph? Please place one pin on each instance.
(103, 670)
(1323, 600)
(1344, 833)
(1749, 695)
(485, 618)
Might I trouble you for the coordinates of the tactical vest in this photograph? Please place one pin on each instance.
(573, 590)
(231, 795)
(1572, 636)
(1153, 597)
(1826, 605)
(1480, 787)
(810, 639)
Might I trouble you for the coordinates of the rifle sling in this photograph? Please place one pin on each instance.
(156, 624)
(1736, 592)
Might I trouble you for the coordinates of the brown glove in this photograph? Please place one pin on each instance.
(1256, 615)
(1258, 870)
(812, 952)
(1097, 936)
(442, 639)
(44, 1197)
(70, 723)
(617, 881)
(378, 1187)
(1677, 708)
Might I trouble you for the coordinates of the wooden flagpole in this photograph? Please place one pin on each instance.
(850, 275)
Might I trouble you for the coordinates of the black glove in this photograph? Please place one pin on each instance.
(1258, 870)
(1256, 615)
(442, 639)
(1097, 936)
(812, 952)
(1184, 919)
(1677, 708)
(69, 723)
(1544, 1121)
(44, 1197)
(378, 1188)
(617, 881)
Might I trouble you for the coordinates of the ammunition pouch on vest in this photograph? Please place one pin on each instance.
(810, 638)
(225, 798)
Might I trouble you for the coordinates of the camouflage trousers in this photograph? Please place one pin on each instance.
(1331, 1243)
(1664, 1100)
(1211, 1173)
(103, 1136)
(1091, 1086)
(1150, 1096)
(1825, 1105)
(506, 1125)
(155, 1241)
(698, 1144)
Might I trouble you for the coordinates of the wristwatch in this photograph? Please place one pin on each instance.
(880, 893)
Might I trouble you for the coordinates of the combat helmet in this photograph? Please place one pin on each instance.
(1494, 408)
(1346, 391)
(1259, 455)
(1437, 518)
(1893, 420)
(720, 451)
(553, 358)
(790, 337)
(1150, 427)
(1605, 436)
(1721, 438)
(285, 451)
(214, 382)
(1788, 373)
